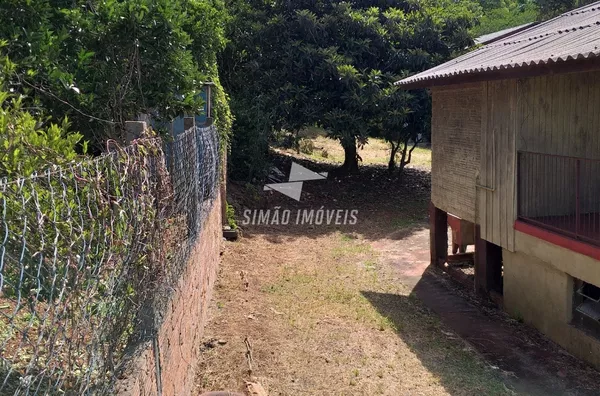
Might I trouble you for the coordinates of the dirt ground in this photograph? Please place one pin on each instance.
(352, 309)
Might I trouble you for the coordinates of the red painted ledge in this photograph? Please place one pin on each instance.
(559, 240)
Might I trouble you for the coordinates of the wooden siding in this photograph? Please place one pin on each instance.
(561, 116)
(456, 129)
(497, 177)
(477, 129)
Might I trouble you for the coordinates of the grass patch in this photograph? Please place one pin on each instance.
(375, 152)
(328, 312)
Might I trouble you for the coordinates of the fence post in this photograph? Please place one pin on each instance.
(224, 188)
(188, 123)
(134, 130)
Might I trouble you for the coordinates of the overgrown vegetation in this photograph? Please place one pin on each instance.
(502, 14)
(102, 63)
(231, 221)
(331, 64)
(289, 65)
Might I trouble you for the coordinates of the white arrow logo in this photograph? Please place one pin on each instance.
(298, 175)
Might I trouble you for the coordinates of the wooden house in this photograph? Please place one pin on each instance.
(516, 151)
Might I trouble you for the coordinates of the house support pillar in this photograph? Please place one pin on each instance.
(488, 265)
(438, 235)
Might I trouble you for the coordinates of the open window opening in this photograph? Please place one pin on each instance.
(489, 270)
(586, 307)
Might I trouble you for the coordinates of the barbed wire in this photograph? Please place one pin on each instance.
(89, 254)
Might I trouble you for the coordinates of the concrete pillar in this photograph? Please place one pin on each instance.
(188, 123)
(134, 130)
(438, 235)
(488, 265)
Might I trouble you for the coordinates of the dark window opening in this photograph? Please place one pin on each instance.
(489, 268)
(586, 307)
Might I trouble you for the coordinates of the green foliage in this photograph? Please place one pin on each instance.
(231, 217)
(205, 24)
(103, 62)
(289, 65)
(552, 8)
(503, 14)
(29, 144)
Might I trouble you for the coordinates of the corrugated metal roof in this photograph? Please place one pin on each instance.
(488, 38)
(570, 36)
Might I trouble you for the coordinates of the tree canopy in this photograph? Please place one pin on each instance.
(105, 62)
(294, 64)
(286, 64)
(502, 14)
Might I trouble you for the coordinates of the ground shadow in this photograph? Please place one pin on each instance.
(526, 361)
(391, 206)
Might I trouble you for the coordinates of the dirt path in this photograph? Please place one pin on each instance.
(351, 310)
(311, 309)
(529, 363)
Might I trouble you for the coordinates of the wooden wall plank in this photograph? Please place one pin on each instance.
(456, 130)
(555, 114)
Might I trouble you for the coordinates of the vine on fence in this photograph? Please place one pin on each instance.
(87, 249)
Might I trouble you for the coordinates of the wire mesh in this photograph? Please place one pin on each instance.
(89, 254)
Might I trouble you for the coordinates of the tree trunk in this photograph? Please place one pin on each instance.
(350, 157)
(392, 162)
(403, 161)
(407, 156)
(297, 141)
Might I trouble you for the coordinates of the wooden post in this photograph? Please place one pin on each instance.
(438, 235)
(488, 265)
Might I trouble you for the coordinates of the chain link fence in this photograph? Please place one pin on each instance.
(89, 254)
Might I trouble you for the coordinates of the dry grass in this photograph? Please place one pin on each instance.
(325, 310)
(375, 152)
(310, 308)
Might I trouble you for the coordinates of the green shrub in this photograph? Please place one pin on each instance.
(231, 217)
(306, 146)
(28, 144)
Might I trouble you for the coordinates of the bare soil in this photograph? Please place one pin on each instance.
(355, 310)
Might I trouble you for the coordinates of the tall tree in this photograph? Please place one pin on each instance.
(293, 64)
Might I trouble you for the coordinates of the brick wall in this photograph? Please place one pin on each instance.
(180, 333)
(455, 136)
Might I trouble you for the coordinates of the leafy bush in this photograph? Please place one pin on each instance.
(231, 217)
(306, 146)
(28, 144)
(104, 62)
